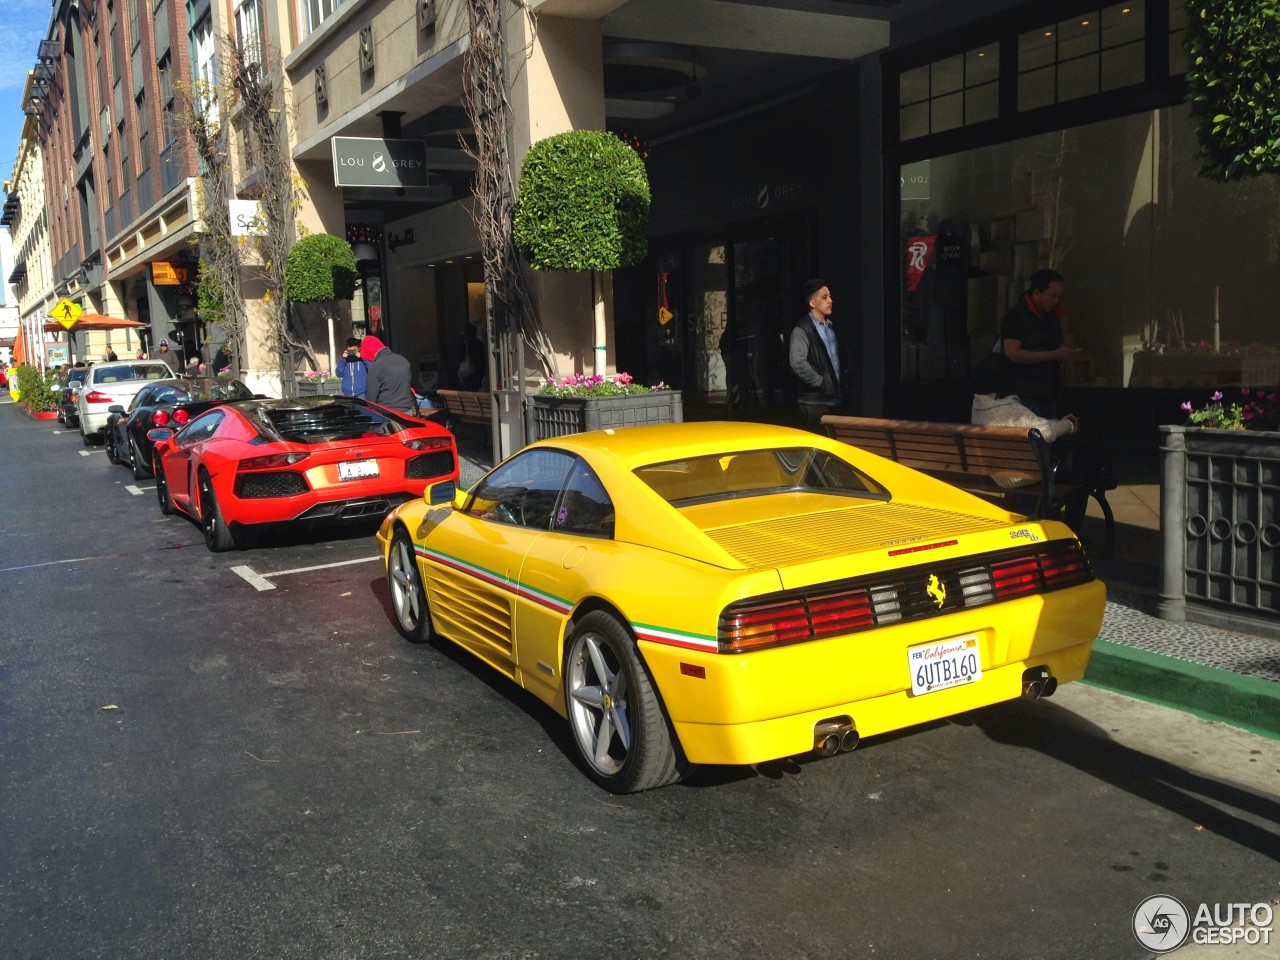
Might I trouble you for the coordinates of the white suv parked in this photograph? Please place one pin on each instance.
(110, 383)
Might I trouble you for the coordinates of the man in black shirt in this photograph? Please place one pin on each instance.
(1031, 336)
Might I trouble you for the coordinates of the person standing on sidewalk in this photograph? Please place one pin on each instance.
(814, 356)
(352, 370)
(389, 380)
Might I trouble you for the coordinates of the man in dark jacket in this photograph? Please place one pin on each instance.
(388, 378)
(1031, 336)
(814, 356)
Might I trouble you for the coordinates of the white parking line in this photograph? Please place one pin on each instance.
(137, 491)
(260, 581)
(87, 453)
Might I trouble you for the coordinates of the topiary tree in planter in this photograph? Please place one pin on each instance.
(320, 268)
(583, 205)
(1233, 85)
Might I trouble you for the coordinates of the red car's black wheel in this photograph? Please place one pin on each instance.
(217, 533)
(162, 490)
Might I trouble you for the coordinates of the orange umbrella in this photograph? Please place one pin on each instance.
(20, 347)
(93, 321)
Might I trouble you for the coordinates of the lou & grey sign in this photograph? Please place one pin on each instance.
(369, 162)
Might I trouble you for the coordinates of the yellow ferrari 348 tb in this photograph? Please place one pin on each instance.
(731, 593)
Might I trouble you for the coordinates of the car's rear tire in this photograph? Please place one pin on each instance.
(217, 532)
(86, 439)
(136, 461)
(162, 490)
(615, 714)
(408, 594)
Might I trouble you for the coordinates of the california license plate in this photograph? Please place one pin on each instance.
(357, 469)
(947, 663)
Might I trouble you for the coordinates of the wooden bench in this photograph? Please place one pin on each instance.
(977, 459)
(466, 406)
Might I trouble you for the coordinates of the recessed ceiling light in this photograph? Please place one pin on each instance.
(1048, 33)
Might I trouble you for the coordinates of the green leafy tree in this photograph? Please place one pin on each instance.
(320, 268)
(583, 203)
(1233, 84)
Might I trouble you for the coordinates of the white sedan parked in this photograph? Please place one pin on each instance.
(110, 383)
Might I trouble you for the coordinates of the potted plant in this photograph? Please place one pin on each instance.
(320, 269)
(316, 383)
(583, 205)
(37, 391)
(579, 403)
(1218, 513)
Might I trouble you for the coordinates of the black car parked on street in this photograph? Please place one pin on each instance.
(163, 403)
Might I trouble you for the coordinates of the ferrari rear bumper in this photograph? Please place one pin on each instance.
(762, 740)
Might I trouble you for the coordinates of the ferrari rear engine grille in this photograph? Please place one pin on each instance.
(900, 596)
(427, 465)
(281, 483)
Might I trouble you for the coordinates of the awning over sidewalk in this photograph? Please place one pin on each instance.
(93, 321)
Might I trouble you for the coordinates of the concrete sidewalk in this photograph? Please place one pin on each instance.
(1216, 674)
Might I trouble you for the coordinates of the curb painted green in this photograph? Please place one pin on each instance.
(1250, 703)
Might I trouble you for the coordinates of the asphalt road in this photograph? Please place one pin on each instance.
(193, 767)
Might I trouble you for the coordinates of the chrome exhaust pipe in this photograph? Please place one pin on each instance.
(1032, 689)
(830, 735)
(1038, 682)
(849, 741)
(1050, 687)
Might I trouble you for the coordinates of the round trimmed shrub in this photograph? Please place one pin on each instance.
(320, 268)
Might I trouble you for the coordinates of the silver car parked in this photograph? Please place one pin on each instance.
(107, 384)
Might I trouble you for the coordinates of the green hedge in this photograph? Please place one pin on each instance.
(584, 203)
(320, 268)
(36, 390)
(1233, 84)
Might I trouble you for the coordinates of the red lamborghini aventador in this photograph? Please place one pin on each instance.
(309, 459)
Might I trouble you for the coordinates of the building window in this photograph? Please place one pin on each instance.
(124, 158)
(143, 127)
(1151, 251)
(249, 30)
(1093, 52)
(1177, 37)
(204, 64)
(169, 126)
(315, 12)
(953, 92)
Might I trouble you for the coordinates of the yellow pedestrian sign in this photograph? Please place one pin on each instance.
(66, 312)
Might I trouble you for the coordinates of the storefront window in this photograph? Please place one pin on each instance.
(1096, 51)
(953, 92)
(1170, 277)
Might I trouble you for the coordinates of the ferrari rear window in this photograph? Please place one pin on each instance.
(325, 423)
(755, 472)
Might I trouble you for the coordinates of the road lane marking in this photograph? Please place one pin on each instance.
(261, 581)
(137, 491)
(52, 563)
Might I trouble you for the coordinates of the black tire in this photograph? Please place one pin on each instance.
(137, 462)
(217, 532)
(162, 491)
(408, 595)
(615, 715)
(108, 443)
(86, 438)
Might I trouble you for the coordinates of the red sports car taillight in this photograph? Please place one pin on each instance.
(181, 416)
(93, 396)
(159, 418)
(428, 443)
(1058, 565)
(753, 626)
(271, 462)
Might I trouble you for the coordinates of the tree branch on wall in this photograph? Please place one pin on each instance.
(484, 95)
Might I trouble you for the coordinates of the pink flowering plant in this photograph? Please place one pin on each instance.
(581, 385)
(319, 376)
(1254, 410)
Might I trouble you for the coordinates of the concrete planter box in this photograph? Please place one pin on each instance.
(559, 416)
(318, 388)
(1220, 524)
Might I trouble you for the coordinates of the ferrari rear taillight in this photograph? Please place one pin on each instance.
(93, 396)
(757, 624)
(159, 418)
(181, 416)
(428, 443)
(273, 461)
(1056, 567)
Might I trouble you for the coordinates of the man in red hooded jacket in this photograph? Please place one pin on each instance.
(389, 379)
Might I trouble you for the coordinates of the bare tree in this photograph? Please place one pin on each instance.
(484, 95)
(199, 114)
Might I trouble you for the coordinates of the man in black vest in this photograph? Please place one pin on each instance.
(814, 356)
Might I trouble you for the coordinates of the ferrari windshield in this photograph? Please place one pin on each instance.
(754, 472)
